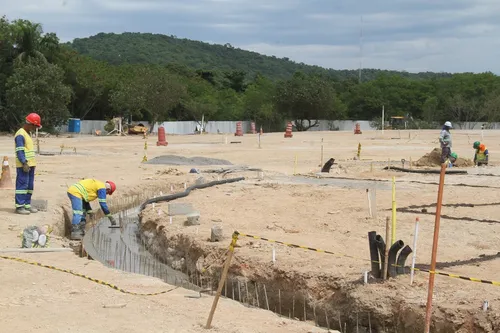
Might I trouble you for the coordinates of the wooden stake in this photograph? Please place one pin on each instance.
(387, 246)
(432, 275)
(222, 280)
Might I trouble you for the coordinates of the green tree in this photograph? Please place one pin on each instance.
(307, 98)
(37, 86)
(258, 104)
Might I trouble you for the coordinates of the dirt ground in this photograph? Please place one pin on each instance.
(333, 217)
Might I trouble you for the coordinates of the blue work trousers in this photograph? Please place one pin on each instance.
(79, 207)
(25, 182)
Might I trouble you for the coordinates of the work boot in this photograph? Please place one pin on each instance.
(76, 232)
(22, 211)
(82, 226)
(32, 210)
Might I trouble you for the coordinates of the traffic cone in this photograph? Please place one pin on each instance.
(288, 131)
(162, 141)
(239, 129)
(6, 180)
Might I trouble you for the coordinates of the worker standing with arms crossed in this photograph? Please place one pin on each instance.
(80, 195)
(25, 164)
(445, 141)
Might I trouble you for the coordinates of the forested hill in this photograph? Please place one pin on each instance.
(141, 48)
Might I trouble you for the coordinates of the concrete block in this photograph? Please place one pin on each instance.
(176, 208)
(41, 205)
(193, 219)
(200, 181)
(216, 233)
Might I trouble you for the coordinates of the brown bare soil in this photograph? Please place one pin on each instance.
(296, 210)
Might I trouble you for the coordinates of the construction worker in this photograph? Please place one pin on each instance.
(481, 154)
(25, 164)
(445, 141)
(81, 194)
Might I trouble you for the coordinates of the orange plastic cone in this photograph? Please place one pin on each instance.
(6, 180)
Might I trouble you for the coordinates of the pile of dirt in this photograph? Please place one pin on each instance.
(170, 171)
(181, 160)
(434, 159)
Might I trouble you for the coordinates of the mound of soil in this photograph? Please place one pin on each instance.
(434, 159)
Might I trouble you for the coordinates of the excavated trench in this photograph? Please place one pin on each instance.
(328, 301)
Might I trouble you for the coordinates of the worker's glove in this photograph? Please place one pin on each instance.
(112, 220)
(26, 167)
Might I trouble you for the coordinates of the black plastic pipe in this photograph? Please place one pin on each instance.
(448, 172)
(379, 240)
(393, 253)
(188, 190)
(405, 252)
(374, 254)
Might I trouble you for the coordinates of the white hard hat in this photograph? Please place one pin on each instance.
(42, 240)
(448, 124)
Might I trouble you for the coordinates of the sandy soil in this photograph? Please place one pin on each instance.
(327, 217)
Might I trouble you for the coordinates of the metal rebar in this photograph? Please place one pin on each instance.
(257, 294)
(248, 296)
(267, 300)
(279, 297)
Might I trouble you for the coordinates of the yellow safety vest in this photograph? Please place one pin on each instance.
(29, 149)
(86, 189)
(480, 155)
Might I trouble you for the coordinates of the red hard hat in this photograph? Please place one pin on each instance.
(34, 119)
(112, 185)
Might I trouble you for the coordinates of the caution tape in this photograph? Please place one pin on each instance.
(456, 276)
(104, 283)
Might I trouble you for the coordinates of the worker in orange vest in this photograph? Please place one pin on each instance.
(25, 164)
(481, 155)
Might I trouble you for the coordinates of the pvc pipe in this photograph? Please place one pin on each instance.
(415, 238)
(369, 202)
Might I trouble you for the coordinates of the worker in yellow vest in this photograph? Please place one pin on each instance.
(481, 154)
(26, 164)
(80, 195)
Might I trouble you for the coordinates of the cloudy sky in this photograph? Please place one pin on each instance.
(411, 35)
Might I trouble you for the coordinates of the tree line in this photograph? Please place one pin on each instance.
(39, 74)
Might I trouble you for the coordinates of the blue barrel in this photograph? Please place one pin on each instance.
(74, 125)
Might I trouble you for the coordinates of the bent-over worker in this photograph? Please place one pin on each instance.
(81, 194)
(481, 154)
(445, 141)
(25, 164)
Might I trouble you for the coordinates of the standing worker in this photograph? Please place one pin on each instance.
(81, 194)
(445, 141)
(25, 164)
(481, 154)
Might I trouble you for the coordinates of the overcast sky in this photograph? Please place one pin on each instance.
(411, 35)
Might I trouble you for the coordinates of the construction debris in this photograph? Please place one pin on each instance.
(216, 233)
